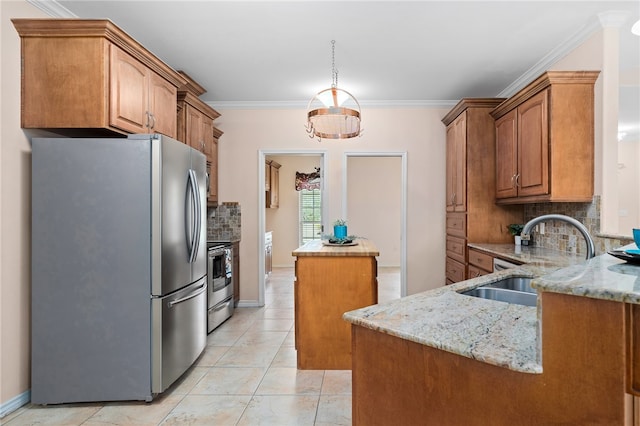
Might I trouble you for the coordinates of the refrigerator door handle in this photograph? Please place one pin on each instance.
(191, 228)
(195, 293)
(198, 215)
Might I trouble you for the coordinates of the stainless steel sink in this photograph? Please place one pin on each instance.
(516, 290)
(514, 283)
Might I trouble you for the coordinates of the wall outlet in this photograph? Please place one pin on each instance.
(541, 228)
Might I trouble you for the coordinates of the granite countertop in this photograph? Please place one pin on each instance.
(318, 248)
(495, 332)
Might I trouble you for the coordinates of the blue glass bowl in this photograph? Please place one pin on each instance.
(636, 236)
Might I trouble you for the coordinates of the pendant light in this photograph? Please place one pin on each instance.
(333, 113)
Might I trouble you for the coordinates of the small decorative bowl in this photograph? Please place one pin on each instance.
(636, 236)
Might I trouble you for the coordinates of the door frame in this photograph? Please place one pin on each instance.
(403, 224)
(262, 154)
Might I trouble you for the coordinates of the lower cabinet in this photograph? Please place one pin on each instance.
(402, 382)
(480, 263)
(325, 288)
(455, 271)
(236, 272)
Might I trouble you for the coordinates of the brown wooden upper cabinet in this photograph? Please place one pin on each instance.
(545, 140)
(213, 165)
(196, 129)
(89, 78)
(456, 164)
(141, 101)
(272, 199)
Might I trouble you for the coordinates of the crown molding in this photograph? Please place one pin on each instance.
(303, 104)
(551, 58)
(52, 8)
(613, 18)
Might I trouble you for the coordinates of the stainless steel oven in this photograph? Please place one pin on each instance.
(220, 284)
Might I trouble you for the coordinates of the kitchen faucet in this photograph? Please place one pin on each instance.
(591, 251)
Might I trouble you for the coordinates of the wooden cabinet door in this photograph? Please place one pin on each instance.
(456, 172)
(267, 177)
(194, 136)
(533, 146)
(275, 187)
(129, 92)
(213, 173)
(162, 106)
(460, 198)
(451, 166)
(207, 135)
(506, 156)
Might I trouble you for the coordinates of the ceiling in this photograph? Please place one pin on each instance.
(278, 53)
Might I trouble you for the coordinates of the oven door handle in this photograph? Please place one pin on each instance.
(195, 293)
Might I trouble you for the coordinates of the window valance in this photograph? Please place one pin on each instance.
(308, 181)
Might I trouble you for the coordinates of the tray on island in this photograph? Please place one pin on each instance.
(628, 255)
(339, 243)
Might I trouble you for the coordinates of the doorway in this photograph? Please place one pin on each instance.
(374, 203)
(283, 221)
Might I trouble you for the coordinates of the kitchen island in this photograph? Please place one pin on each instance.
(331, 280)
(478, 361)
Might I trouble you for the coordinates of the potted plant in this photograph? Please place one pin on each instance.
(340, 229)
(515, 229)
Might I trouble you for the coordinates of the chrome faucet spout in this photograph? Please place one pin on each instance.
(591, 250)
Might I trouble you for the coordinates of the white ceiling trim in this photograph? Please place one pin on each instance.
(304, 104)
(53, 8)
(551, 58)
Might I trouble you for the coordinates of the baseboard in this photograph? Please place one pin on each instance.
(249, 304)
(14, 403)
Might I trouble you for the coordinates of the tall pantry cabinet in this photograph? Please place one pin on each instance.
(472, 215)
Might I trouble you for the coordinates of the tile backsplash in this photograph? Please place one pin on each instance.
(564, 237)
(224, 222)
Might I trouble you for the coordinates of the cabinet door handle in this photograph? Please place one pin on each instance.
(517, 180)
(153, 121)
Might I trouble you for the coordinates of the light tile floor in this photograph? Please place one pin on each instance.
(246, 376)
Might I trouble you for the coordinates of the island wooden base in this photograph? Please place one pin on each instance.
(326, 288)
(399, 382)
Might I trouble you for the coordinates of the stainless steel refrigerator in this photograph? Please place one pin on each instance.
(119, 298)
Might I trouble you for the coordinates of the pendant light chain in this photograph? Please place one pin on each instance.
(334, 72)
(328, 116)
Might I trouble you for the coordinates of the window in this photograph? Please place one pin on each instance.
(310, 215)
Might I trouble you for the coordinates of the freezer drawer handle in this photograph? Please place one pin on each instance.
(222, 306)
(197, 292)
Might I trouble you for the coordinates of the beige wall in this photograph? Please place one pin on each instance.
(628, 188)
(15, 213)
(374, 204)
